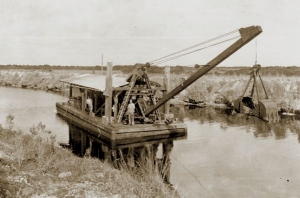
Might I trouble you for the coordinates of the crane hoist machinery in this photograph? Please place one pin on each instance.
(142, 90)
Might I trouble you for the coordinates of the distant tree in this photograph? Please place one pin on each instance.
(197, 66)
(178, 69)
(155, 69)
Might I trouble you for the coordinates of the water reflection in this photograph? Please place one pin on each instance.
(227, 119)
(225, 163)
(229, 152)
(156, 152)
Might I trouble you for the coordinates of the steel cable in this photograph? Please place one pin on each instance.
(202, 43)
(174, 57)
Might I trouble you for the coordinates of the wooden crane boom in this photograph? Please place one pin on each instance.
(247, 34)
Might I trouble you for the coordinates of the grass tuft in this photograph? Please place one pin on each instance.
(32, 165)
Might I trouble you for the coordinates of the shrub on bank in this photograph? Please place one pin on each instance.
(32, 165)
(284, 90)
(34, 80)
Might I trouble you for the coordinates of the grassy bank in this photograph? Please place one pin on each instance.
(285, 91)
(33, 79)
(33, 165)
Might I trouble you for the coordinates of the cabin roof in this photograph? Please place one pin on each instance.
(94, 81)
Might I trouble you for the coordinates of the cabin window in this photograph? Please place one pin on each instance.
(75, 98)
(75, 92)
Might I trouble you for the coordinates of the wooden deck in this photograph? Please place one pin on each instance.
(119, 133)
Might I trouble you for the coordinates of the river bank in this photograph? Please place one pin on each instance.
(33, 165)
(41, 80)
(215, 152)
(285, 91)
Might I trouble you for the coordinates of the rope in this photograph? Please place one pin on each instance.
(202, 43)
(172, 58)
(255, 51)
(198, 180)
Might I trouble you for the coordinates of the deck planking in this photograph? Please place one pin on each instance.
(122, 134)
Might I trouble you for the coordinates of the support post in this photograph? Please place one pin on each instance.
(106, 152)
(167, 87)
(95, 102)
(130, 157)
(166, 162)
(114, 157)
(83, 100)
(108, 93)
(83, 143)
(154, 150)
(88, 152)
(70, 91)
(115, 107)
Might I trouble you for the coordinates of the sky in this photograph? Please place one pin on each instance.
(77, 32)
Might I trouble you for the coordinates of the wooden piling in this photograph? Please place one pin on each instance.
(95, 102)
(83, 143)
(108, 93)
(83, 100)
(88, 151)
(70, 91)
(115, 107)
(130, 157)
(154, 150)
(113, 156)
(167, 86)
(106, 152)
(166, 163)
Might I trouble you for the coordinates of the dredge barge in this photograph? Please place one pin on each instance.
(110, 96)
(104, 122)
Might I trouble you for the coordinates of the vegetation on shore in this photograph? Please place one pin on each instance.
(219, 71)
(283, 89)
(33, 80)
(32, 165)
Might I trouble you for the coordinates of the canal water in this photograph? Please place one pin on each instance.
(223, 155)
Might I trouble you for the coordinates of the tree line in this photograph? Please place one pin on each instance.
(265, 70)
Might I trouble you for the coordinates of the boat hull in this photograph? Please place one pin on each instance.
(117, 133)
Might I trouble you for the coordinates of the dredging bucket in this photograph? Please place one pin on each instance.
(268, 110)
(265, 109)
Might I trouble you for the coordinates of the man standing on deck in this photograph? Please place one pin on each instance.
(130, 112)
(169, 118)
(89, 103)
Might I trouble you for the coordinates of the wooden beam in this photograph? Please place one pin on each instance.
(108, 92)
(115, 107)
(166, 162)
(106, 152)
(167, 85)
(130, 157)
(83, 100)
(83, 143)
(138, 89)
(247, 34)
(70, 91)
